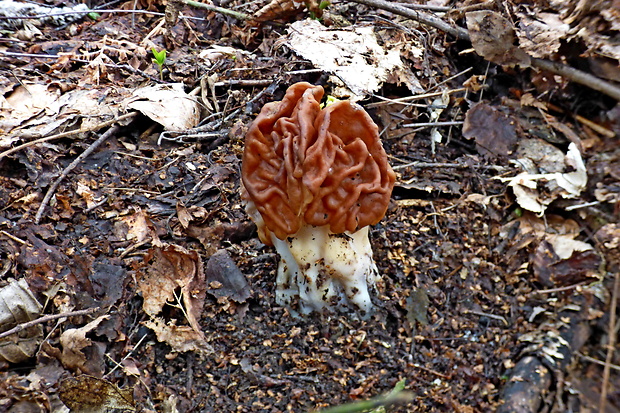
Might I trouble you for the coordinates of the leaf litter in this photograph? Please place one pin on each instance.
(477, 292)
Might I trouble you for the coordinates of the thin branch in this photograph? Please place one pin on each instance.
(99, 11)
(578, 76)
(45, 319)
(236, 14)
(566, 71)
(419, 16)
(66, 134)
(433, 124)
(68, 169)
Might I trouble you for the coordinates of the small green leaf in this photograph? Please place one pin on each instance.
(93, 15)
(329, 100)
(323, 5)
(160, 57)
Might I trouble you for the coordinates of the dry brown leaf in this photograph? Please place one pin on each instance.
(136, 227)
(548, 175)
(225, 279)
(495, 133)
(179, 338)
(167, 105)
(493, 38)
(74, 342)
(174, 276)
(279, 9)
(540, 36)
(87, 394)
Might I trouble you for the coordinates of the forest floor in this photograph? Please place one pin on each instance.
(124, 237)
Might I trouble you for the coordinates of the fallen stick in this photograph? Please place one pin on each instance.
(45, 319)
(72, 165)
(66, 134)
(563, 70)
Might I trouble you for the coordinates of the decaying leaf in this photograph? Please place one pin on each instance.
(18, 305)
(231, 282)
(40, 110)
(77, 353)
(417, 307)
(174, 277)
(136, 227)
(494, 39)
(167, 105)
(179, 338)
(540, 36)
(566, 262)
(558, 258)
(88, 394)
(495, 133)
(354, 55)
(609, 238)
(558, 175)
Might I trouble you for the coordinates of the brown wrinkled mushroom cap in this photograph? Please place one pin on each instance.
(303, 164)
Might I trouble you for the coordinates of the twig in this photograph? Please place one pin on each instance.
(489, 315)
(99, 11)
(65, 134)
(578, 76)
(419, 16)
(77, 59)
(420, 164)
(405, 99)
(597, 361)
(134, 247)
(244, 82)
(559, 289)
(584, 205)
(431, 371)
(432, 124)
(611, 344)
(566, 71)
(72, 165)
(45, 319)
(236, 14)
(117, 364)
(440, 9)
(14, 238)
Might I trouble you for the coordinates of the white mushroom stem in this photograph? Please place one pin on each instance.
(325, 269)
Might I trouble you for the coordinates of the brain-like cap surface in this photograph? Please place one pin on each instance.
(307, 165)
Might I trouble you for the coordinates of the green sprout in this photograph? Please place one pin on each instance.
(94, 16)
(329, 100)
(322, 6)
(398, 395)
(160, 59)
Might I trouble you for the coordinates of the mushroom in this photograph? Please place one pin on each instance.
(314, 179)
